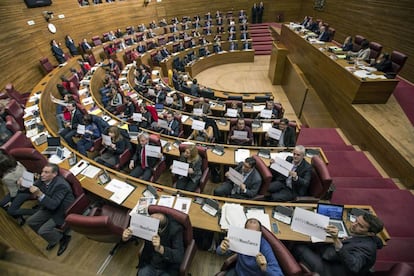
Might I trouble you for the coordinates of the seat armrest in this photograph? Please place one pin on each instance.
(259, 197)
(305, 199)
(229, 262)
(79, 205)
(158, 169)
(188, 258)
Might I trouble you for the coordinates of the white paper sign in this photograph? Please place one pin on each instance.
(152, 151)
(274, 133)
(198, 111)
(266, 113)
(232, 112)
(81, 129)
(144, 227)
(235, 176)
(106, 140)
(282, 166)
(309, 223)
(241, 154)
(137, 117)
(180, 168)
(169, 100)
(244, 241)
(241, 135)
(198, 125)
(183, 204)
(27, 179)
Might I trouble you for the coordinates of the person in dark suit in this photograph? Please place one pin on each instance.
(141, 48)
(55, 196)
(324, 35)
(348, 45)
(284, 188)
(164, 254)
(86, 47)
(141, 164)
(57, 51)
(70, 44)
(192, 180)
(252, 180)
(173, 128)
(241, 126)
(383, 63)
(129, 109)
(254, 13)
(71, 125)
(260, 11)
(353, 256)
(287, 138)
(164, 52)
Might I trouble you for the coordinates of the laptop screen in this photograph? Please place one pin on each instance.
(133, 128)
(159, 107)
(53, 141)
(331, 211)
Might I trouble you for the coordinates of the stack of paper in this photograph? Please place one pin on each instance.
(260, 215)
(241, 155)
(121, 190)
(232, 214)
(166, 200)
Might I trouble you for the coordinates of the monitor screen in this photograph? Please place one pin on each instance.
(331, 211)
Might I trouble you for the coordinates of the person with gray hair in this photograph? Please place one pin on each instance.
(284, 188)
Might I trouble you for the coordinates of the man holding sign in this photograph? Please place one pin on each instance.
(162, 254)
(261, 263)
(286, 137)
(240, 134)
(286, 185)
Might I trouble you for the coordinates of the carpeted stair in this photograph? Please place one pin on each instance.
(262, 38)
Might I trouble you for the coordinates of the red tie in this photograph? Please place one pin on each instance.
(143, 158)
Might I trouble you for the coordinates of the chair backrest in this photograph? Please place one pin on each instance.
(376, 49)
(30, 158)
(229, 103)
(280, 109)
(73, 181)
(331, 32)
(11, 124)
(14, 109)
(286, 261)
(398, 60)
(91, 60)
(180, 217)
(18, 140)
(21, 98)
(96, 40)
(247, 121)
(265, 173)
(46, 65)
(357, 43)
(321, 179)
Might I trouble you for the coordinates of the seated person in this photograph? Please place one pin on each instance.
(284, 188)
(235, 105)
(173, 128)
(11, 173)
(5, 133)
(91, 133)
(141, 48)
(164, 254)
(195, 89)
(250, 186)
(324, 35)
(141, 164)
(270, 106)
(203, 105)
(111, 153)
(364, 53)
(348, 45)
(383, 63)
(146, 118)
(177, 102)
(71, 123)
(241, 126)
(164, 52)
(192, 180)
(129, 109)
(204, 135)
(287, 137)
(115, 100)
(354, 256)
(264, 263)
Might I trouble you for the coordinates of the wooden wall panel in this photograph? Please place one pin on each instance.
(390, 23)
(22, 46)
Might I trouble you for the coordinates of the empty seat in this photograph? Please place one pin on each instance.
(96, 40)
(357, 43)
(46, 65)
(21, 98)
(398, 60)
(376, 49)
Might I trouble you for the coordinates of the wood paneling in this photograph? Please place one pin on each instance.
(389, 23)
(23, 45)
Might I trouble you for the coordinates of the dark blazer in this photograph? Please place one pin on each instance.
(253, 182)
(151, 161)
(240, 142)
(324, 37)
(71, 46)
(77, 119)
(289, 138)
(141, 49)
(175, 128)
(58, 197)
(58, 53)
(196, 166)
(85, 46)
(129, 110)
(301, 185)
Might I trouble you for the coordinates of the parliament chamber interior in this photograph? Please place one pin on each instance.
(173, 107)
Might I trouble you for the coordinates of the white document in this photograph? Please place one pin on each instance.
(232, 214)
(142, 205)
(166, 200)
(91, 171)
(266, 113)
(198, 111)
(241, 154)
(81, 129)
(187, 99)
(240, 134)
(144, 227)
(309, 223)
(282, 166)
(106, 140)
(184, 118)
(115, 185)
(266, 126)
(27, 179)
(121, 190)
(137, 117)
(180, 168)
(258, 108)
(232, 112)
(79, 167)
(274, 133)
(152, 151)
(169, 100)
(183, 204)
(112, 122)
(281, 155)
(235, 176)
(244, 241)
(260, 215)
(198, 125)
(162, 123)
(87, 101)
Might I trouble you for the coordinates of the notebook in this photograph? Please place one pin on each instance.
(52, 144)
(335, 214)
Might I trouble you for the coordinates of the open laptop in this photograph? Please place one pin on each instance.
(52, 144)
(133, 131)
(159, 107)
(335, 214)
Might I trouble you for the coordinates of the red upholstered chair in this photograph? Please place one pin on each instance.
(128, 57)
(139, 37)
(266, 174)
(14, 109)
(398, 60)
(202, 151)
(280, 109)
(30, 158)
(399, 269)
(11, 124)
(154, 60)
(47, 67)
(189, 242)
(96, 40)
(331, 32)
(161, 166)
(285, 259)
(21, 98)
(73, 79)
(91, 60)
(161, 41)
(18, 140)
(123, 159)
(357, 43)
(376, 49)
